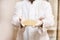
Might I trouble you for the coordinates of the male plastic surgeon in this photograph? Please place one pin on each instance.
(37, 13)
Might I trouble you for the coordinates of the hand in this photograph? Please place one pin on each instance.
(39, 26)
(39, 22)
(20, 19)
(22, 29)
(41, 18)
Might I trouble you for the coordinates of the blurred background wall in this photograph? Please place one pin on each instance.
(6, 12)
(59, 22)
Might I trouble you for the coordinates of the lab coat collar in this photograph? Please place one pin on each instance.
(35, 0)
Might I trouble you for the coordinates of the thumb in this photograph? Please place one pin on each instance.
(19, 19)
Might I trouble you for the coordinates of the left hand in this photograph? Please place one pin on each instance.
(22, 30)
(41, 18)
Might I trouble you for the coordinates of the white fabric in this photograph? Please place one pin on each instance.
(26, 10)
(32, 33)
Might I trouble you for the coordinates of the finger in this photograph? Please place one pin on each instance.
(19, 19)
(41, 18)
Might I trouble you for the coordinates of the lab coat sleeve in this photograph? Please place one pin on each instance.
(17, 14)
(49, 18)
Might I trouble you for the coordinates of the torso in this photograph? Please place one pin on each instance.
(32, 11)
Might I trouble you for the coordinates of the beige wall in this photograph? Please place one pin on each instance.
(6, 9)
(54, 4)
(59, 23)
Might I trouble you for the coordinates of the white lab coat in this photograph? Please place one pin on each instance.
(39, 8)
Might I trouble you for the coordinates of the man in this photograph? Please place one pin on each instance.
(38, 11)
